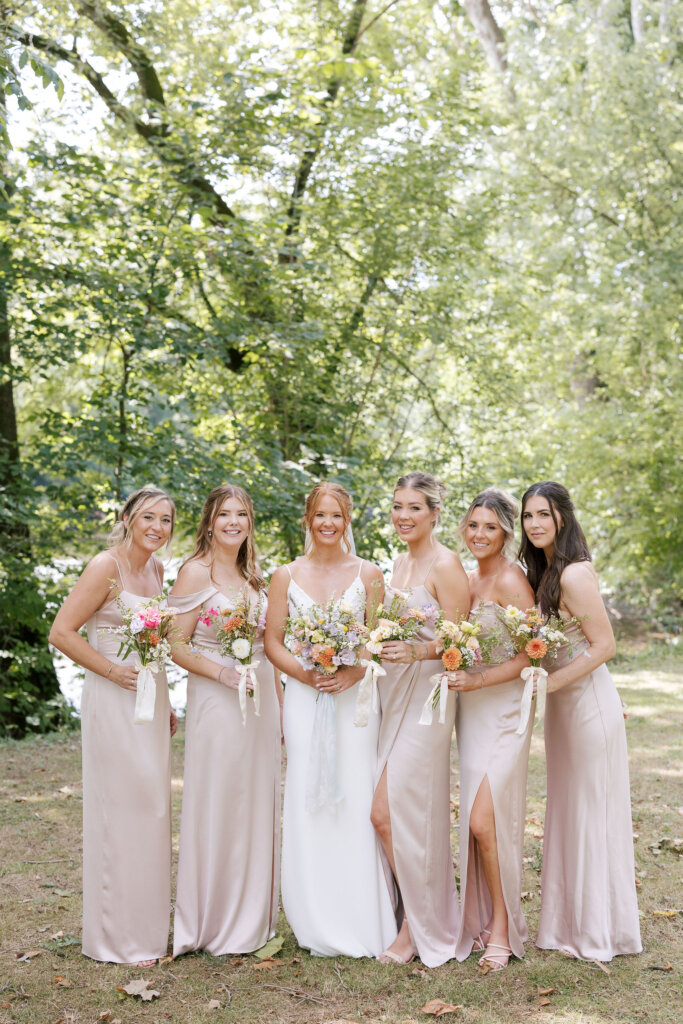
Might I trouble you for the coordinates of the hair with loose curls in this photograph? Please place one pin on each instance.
(569, 546)
(247, 556)
(135, 505)
(506, 509)
(321, 489)
(434, 491)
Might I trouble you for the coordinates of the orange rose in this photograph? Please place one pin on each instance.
(536, 649)
(451, 659)
(153, 639)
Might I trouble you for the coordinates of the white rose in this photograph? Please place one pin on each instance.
(374, 647)
(241, 648)
(136, 624)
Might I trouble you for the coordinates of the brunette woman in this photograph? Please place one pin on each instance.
(228, 866)
(588, 906)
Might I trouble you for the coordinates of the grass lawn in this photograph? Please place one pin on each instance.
(40, 910)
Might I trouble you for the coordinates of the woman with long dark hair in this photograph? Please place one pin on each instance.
(228, 866)
(588, 905)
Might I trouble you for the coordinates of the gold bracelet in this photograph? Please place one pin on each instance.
(426, 647)
(483, 679)
(109, 670)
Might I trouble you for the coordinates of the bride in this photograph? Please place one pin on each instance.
(334, 892)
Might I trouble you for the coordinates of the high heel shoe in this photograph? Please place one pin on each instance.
(479, 944)
(490, 962)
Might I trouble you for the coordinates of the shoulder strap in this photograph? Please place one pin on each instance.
(431, 566)
(289, 571)
(123, 582)
(360, 568)
(159, 575)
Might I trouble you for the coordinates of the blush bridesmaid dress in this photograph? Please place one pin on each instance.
(229, 859)
(126, 809)
(589, 906)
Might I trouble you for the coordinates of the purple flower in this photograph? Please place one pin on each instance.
(348, 657)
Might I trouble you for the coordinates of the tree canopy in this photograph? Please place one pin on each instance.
(273, 242)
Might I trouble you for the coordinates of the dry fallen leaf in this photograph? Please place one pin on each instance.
(57, 935)
(419, 971)
(30, 955)
(657, 913)
(62, 982)
(527, 896)
(602, 967)
(165, 960)
(545, 991)
(266, 965)
(656, 967)
(437, 1007)
(139, 987)
(213, 1004)
(544, 1001)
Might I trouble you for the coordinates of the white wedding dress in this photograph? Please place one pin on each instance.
(334, 891)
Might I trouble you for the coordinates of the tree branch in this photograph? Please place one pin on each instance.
(489, 32)
(119, 35)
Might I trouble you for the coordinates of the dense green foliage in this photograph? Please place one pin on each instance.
(277, 242)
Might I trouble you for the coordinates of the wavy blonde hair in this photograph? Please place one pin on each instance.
(321, 489)
(135, 505)
(433, 490)
(506, 509)
(247, 556)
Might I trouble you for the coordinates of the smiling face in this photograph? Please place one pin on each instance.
(538, 523)
(483, 533)
(411, 515)
(326, 522)
(231, 525)
(150, 527)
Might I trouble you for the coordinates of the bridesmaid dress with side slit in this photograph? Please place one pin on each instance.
(417, 762)
(588, 906)
(489, 748)
(229, 860)
(126, 809)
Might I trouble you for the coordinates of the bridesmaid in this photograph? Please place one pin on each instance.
(588, 905)
(411, 806)
(126, 767)
(493, 758)
(334, 892)
(228, 866)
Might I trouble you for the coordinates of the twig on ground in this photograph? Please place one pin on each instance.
(299, 994)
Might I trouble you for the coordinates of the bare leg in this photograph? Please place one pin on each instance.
(483, 828)
(402, 946)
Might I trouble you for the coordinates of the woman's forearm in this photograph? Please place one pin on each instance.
(581, 664)
(77, 648)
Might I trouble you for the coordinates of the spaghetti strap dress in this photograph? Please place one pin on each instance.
(126, 809)
(489, 748)
(334, 891)
(229, 859)
(588, 905)
(417, 761)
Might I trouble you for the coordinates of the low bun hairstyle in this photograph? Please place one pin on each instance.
(434, 491)
(506, 509)
(133, 507)
(569, 546)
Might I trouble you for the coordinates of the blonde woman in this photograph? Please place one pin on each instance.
(411, 807)
(493, 757)
(126, 767)
(334, 892)
(228, 867)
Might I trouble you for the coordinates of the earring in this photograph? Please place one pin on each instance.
(209, 534)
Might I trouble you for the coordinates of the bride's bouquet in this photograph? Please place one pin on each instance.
(325, 638)
(149, 632)
(395, 621)
(538, 637)
(460, 648)
(237, 628)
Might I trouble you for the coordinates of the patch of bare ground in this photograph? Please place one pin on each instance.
(44, 979)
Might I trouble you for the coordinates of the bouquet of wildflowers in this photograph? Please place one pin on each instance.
(237, 628)
(326, 637)
(538, 637)
(398, 621)
(148, 630)
(460, 649)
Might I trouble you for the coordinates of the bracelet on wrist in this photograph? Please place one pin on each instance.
(109, 670)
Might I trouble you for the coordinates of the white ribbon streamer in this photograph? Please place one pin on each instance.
(368, 692)
(323, 785)
(247, 671)
(440, 683)
(534, 674)
(145, 698)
